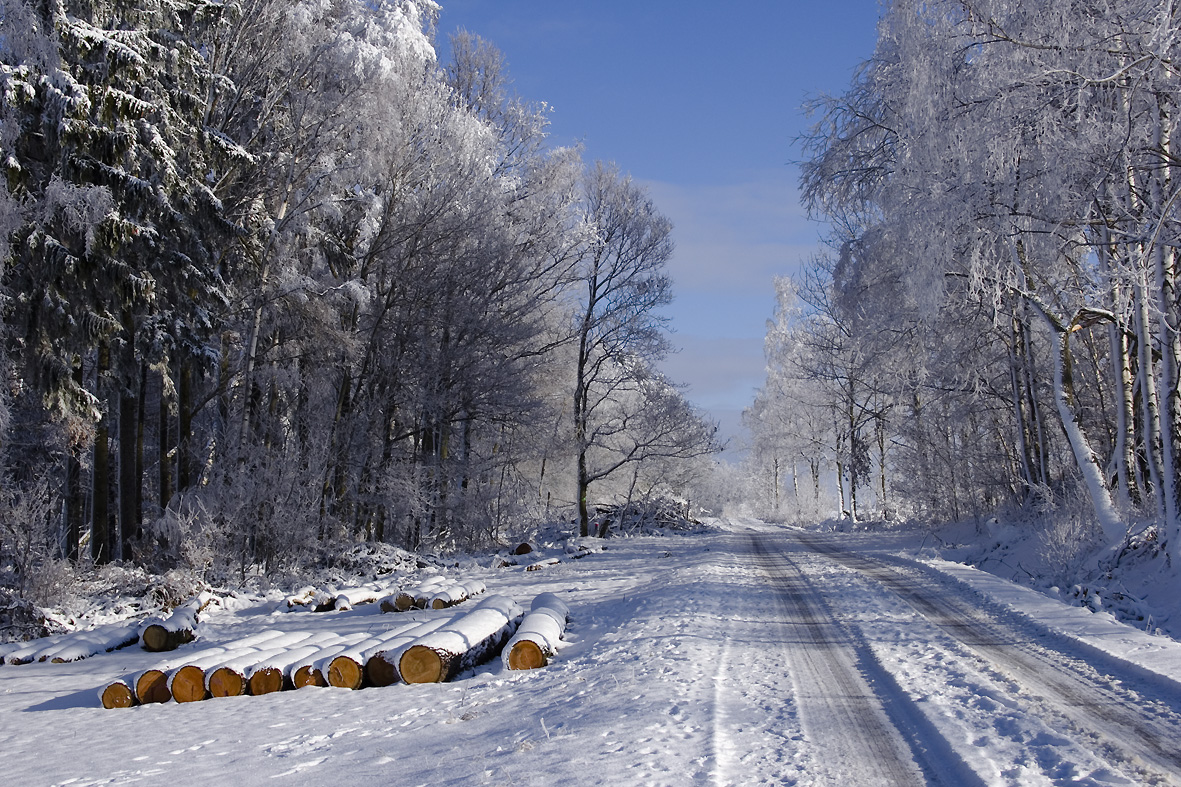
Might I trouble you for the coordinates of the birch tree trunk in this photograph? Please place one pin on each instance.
(1114, 529)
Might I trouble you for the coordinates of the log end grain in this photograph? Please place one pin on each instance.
(156, 638)
(152, 686)
(266, 681)
(307, 675)
(420, 664)
(380, 672)
(118, 695)
(188, 684)
(226, 682)
(345, 673)
(526, 655)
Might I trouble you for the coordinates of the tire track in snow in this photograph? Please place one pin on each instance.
(1097, 706)
(841, 713)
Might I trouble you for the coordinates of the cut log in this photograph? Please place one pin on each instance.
(178, 628)
(118, 694)
(73, 646)
(157, 639)
(225, 681)
(187, 684)
(458, 593)
(323, 602)
(264, 680)
(152, 686)
(355, 597)
(540, 564)
(539, 635)
(465, 642)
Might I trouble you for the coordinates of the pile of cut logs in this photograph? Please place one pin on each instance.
(412, 652)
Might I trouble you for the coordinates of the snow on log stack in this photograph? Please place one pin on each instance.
(450, 595)
(418, 651)
(74, 646)
(415, 597)
(273, 673)
(348, 668)
(466, 642)
(306, 671)
(539, 635)
(177, 629)
(381, 662)
(228, 678)
(316, 600)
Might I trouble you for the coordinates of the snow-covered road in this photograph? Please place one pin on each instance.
(757, 655)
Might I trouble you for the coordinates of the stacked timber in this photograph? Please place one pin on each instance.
(416, 652)
(347, 669)
(415, 597)
(229, 677)
(539, 635)
(75, 645)
(381, 663)
(306, 671)
(462, 644)
(355, 597)
(300, 598)
(274, 673)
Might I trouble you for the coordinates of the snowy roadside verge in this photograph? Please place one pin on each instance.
(1156, 655)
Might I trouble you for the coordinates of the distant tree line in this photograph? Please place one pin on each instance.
(274, 278)
(996, 323)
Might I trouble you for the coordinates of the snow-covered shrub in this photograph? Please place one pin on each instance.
(28, 540)
(1064, 542)
(20, 619)
(184, 536)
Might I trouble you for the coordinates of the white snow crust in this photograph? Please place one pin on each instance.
(674, 671)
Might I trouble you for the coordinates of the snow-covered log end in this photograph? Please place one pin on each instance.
(117, 694)
(178, 628)
(539, 635)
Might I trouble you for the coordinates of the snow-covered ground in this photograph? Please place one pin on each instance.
(689, 660)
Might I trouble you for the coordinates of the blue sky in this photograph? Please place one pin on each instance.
(700, 102)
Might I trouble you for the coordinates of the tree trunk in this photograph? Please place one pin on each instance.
(129, 482)
(1169, 322)
(1148, 397)
(74, 503)
(1113, 527)
(185, 427)
(100, 524)
(165, 448)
